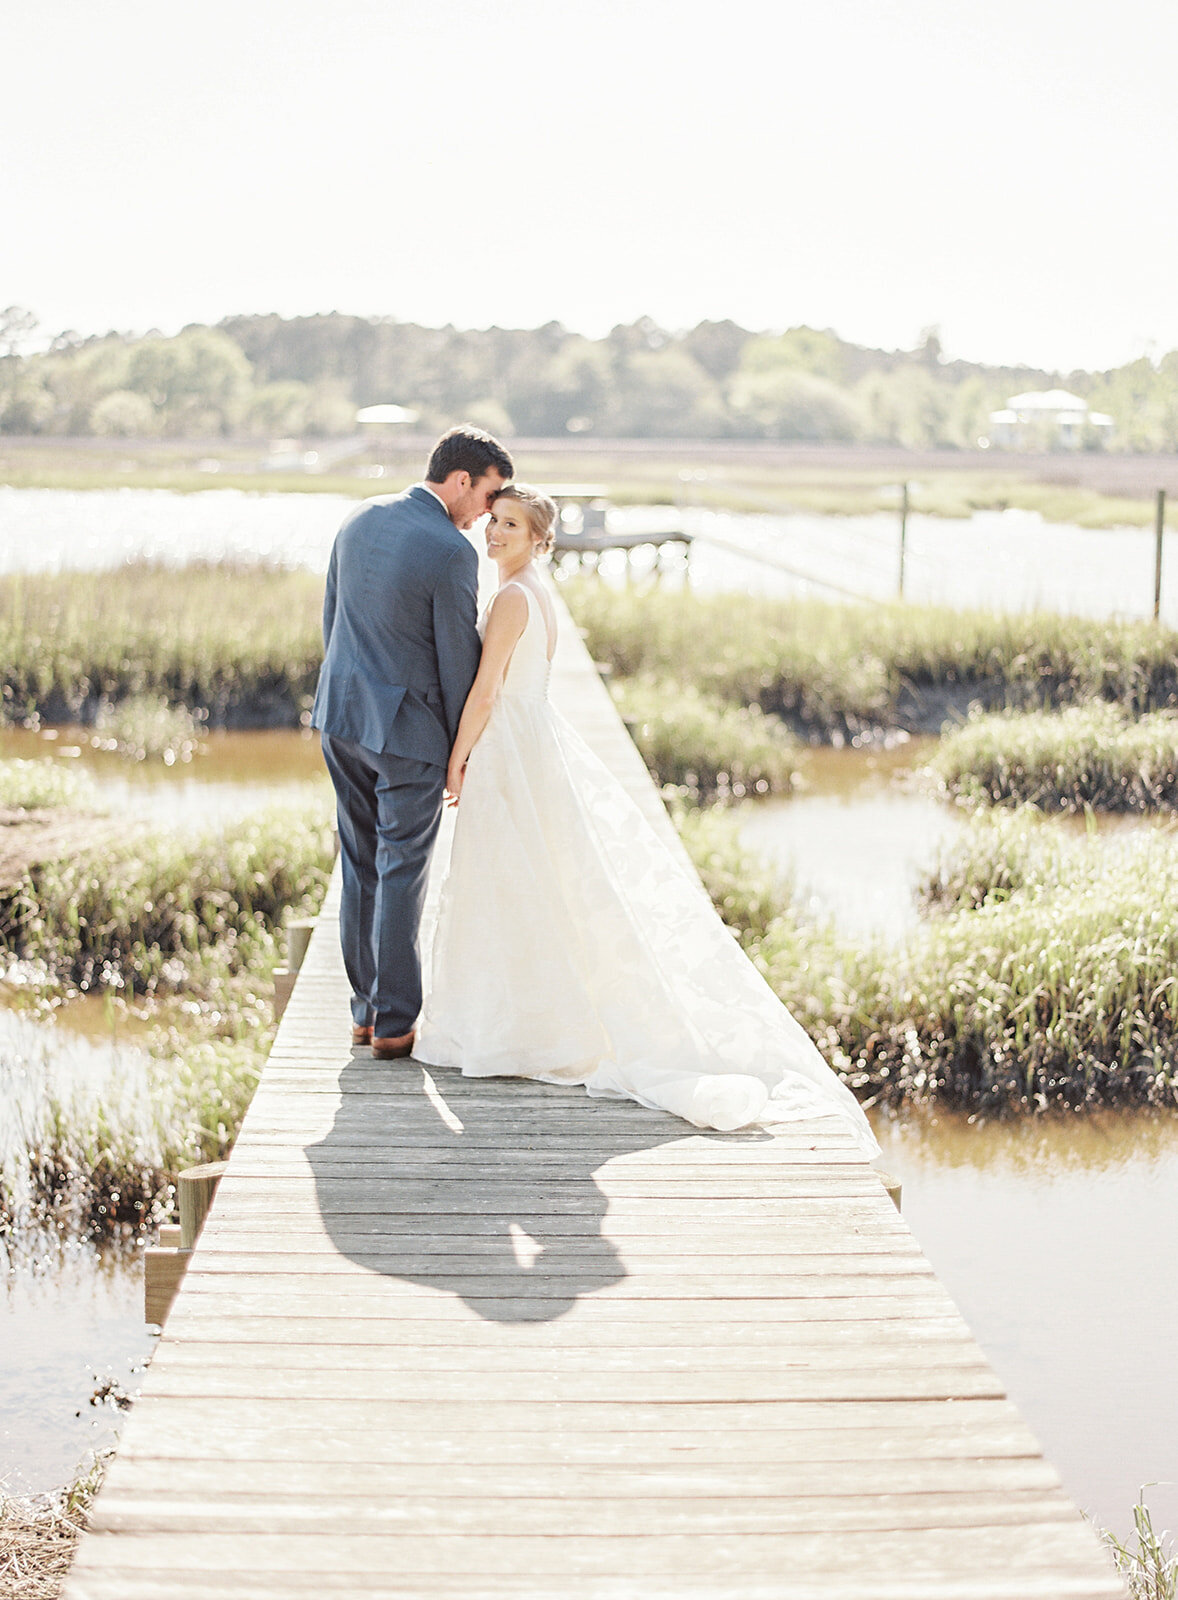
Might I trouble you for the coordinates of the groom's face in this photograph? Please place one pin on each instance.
(474, 501)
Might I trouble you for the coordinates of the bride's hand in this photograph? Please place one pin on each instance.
(454, 777)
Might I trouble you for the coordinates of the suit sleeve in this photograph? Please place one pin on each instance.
(329, 593)
(456, 637)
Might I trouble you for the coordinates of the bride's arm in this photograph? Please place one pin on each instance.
(505, 623)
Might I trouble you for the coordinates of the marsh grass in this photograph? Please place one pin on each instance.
(1091, 755)
(43, 785)
(704, 747)
(837, 670)
(239, 645)
(145, 726)
(1049, 978)
(93, 1134)
(173, 911)
(81, 1142)
(39, 1533)
(1149, 1562)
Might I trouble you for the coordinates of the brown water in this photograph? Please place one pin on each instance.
(857, 837)
(231, 773)
(1052, 1236)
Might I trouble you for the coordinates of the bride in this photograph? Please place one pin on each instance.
(571, 946)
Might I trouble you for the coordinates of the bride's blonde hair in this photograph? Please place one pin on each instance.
(539, 510)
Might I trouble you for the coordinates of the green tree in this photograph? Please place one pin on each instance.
(781, 402)
(278, 410)
(123, 414)
(197, 381)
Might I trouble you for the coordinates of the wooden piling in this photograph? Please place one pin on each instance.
(1159, 540)
(195, 1189)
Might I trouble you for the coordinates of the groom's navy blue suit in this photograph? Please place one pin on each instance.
(400, 654)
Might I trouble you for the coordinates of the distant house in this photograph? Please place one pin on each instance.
(1047, 419)
(385, 416)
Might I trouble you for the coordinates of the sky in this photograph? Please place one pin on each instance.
(1004, 171)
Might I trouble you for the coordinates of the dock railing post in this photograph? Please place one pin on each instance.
(903, 537)
(1159, 540)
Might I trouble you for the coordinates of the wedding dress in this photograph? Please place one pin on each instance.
(573, 947)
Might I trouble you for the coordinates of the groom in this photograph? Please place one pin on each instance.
(400, 654)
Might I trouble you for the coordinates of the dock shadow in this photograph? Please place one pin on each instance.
(480, 1187)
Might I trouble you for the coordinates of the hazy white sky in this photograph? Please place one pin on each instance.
(1003, 169)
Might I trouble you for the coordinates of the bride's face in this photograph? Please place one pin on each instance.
(509, 534)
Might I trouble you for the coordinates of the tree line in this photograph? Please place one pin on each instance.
(266, 376)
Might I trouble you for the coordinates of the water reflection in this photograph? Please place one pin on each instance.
(71, 1324)
(858, 837)
(1054, 1236)
(231, 774)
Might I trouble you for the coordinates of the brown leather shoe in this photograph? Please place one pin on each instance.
(361, 1035)
(394, 1049)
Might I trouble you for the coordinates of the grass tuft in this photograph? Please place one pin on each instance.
(1150, 1564)
(144, 725)
(704, 747)
(43, 785)
(1091, 755)
(39, 1533)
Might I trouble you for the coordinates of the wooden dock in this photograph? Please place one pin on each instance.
(485, 1338)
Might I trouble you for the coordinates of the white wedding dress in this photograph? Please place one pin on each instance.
(571, 946)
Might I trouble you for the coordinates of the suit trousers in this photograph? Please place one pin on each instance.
(389, 808)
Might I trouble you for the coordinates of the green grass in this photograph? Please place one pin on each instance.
(171, 911)
(240, 645)
(194, 923)
(839, 669)
(83, 1144)
(703, 747)
(1149, 1561)
(1048, 978)
(1090, 755)
(37, 785)
(144, 726)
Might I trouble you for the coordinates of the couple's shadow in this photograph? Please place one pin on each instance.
(484, 1188)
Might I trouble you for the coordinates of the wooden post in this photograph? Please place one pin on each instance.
(1159, 538)
(195, 1189)
(165, 1264)
(903, 537)
(163, 1273)
(284, 982)
(298, 937)
(892, 1185)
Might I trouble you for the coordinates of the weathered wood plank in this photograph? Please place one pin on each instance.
(502, 1480)
(380, 1387)
(646, 1361)
(1042, 1548)
(151, 1584)
(743, 1338)
(558, 1514)
(757, 1274)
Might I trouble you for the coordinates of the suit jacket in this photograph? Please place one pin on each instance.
(399, 639)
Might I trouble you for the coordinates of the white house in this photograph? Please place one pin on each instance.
(1045, 419)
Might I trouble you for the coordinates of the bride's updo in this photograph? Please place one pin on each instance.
(539, 510)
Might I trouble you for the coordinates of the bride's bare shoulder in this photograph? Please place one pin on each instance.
(508, 607)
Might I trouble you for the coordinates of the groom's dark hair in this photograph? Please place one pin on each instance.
(470, 450)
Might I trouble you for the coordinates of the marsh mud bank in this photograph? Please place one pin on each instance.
(282, 701)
